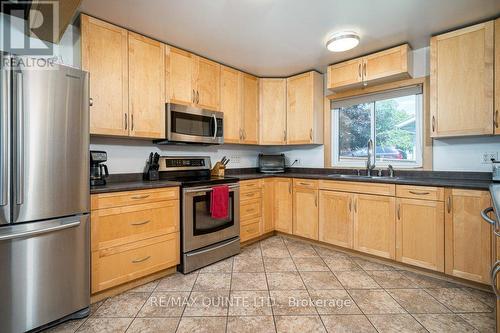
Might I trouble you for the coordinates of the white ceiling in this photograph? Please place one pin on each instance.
(284, 37)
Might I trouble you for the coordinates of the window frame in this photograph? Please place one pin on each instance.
(355, 162)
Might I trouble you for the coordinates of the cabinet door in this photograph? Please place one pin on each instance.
(272, 111)
(387, 64)
(497, 78)
(147, 87)
(375, 225)
(207, 74)
(305, 212)
(345, 74)
(461, 83)
(420, 233)
(268, 204)
(230, 104)
(250, 108)
(336, 218)
(468, 250)
(105, 56)
(300, 112)
(283, 205)
(179, 75)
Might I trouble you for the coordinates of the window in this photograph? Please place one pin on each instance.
(392, 120)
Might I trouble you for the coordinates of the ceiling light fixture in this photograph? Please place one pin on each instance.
(342, 41)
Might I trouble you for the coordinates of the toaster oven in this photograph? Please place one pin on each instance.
(271, 163)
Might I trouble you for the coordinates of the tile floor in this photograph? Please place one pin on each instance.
(285, 285)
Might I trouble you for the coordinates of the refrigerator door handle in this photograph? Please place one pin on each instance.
(50, 227)
(19, 139)
(4, 139)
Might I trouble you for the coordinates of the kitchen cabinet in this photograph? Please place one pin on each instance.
(305, 109)
(468, 248)
(305, 208)
(250, 109)
(283, 205)
(420, 233)
(250, 209)
(268, 206)
(375, 225)
(146, 87)
(105, 56)
(461, 82)
(336, 218)
(388, 65)
(496, 119)
(272, 111)
(230, 104)
(192, 80)
(133, 234)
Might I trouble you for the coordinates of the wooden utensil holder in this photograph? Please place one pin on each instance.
(218, 170)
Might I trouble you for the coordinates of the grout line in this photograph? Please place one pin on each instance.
(189, 297)
(268, 289)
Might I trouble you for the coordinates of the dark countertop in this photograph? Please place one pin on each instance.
(120, 186)
(495, 197)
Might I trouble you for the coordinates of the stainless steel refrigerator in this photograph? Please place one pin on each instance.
(44, 194)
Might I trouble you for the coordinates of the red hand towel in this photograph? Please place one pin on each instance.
(220, 202)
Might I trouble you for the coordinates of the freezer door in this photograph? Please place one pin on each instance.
(51, 143)
(45, 272)
(5, 158)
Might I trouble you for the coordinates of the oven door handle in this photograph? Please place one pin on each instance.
(194, 253)
(207, 189)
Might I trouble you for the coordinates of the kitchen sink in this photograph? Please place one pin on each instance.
(362, 177)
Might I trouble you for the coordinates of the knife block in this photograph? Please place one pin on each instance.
(150, 173)
(218, 170)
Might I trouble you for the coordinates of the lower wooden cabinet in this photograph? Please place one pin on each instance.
(420, 233)
(250, 209)
(468, 244)
(133, 234)
(268, 205)
(374, 225)
(250, 229)
(283, 205)
(336, 218)
(305, 210)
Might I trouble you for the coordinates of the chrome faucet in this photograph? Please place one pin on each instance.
(369, 165)
(391, 170)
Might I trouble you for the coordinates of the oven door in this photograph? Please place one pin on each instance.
(188, 124)
(199, 229)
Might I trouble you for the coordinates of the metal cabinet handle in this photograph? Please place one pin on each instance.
(144, 196)
(419, 193)
(399, 211)
(356, 205)
(136, 261)
(496, 119)
(311, 134)
(20, 140)
(290, 187)
(433, 123)
(132, 122)
(364, 69)
(304, 184)
(126, 121)
(359, 70)
(197, 97)
(250, 210)
(495, 269)
(284, 136)
(316, 200)
(140, 223)
(193, 97)
(350, 204)
(448, 204)
(249, 195)
(91, 101)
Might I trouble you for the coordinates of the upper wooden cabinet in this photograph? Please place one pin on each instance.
(497, 78)
(283, 205)
(305, 109)
(146, 87)
(468, 248)
(272, 111)
(230, 104)
(192, 80)
(249, 108)
(388, 65)
(461, 82)
(105, 56)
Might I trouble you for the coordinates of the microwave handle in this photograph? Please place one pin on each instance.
(215, 126)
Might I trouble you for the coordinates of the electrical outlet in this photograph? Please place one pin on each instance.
(298, 163)
(487, 156)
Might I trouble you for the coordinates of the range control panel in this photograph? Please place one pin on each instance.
(170, 163)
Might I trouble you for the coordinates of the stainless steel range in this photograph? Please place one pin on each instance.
(204, 240)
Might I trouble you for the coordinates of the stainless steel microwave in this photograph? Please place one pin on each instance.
(186, 124)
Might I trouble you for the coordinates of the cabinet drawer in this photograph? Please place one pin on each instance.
(305, 183)
(250, 185)
(119, 199)
(358, 187)
(249, 195)
(250, 230)
(121, 264)
(250, 209)
(420, 192)
(120, 225)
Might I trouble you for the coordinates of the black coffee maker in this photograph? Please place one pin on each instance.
(98, 170)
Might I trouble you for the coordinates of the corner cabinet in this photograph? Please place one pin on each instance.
(305, 109)
(461, 82)
(283, 204)
(388, 65)
(105, 56)
(272, 111)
